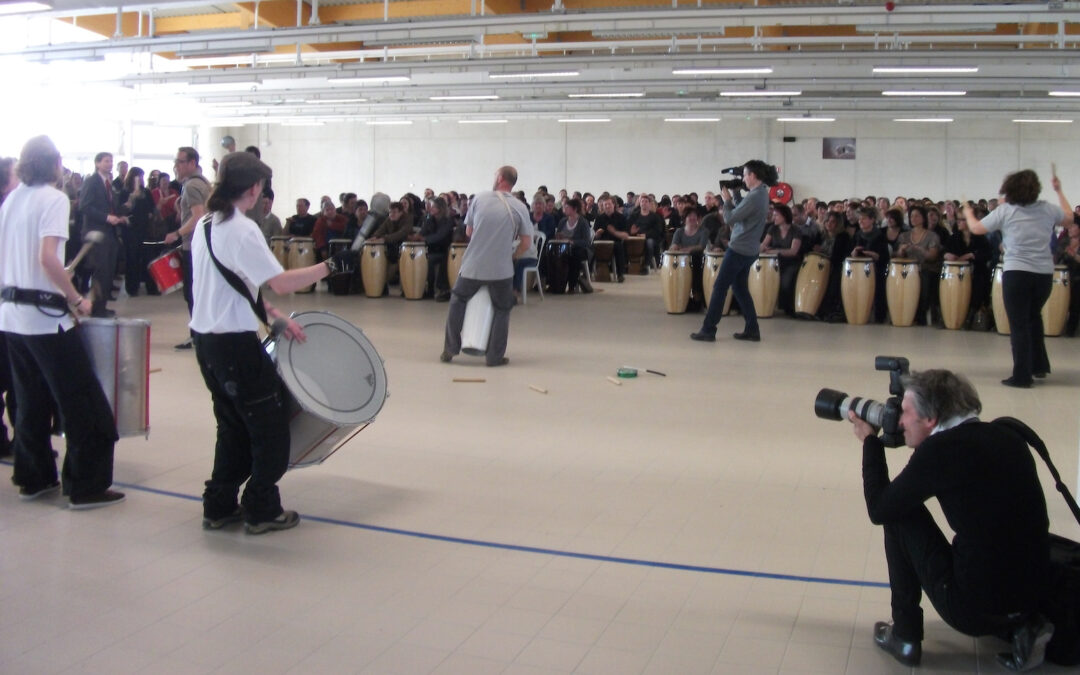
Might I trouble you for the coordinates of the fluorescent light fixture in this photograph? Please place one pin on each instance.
(23, 7)
(508, 76)
(388, 123)
(721, 71)
(576, 120)
(924, 70)
(368, 80)
(913, 92)
(761, 92)
(923, 119)
(890, 29)
(805, 119)
(302, 123)
(482, 121)
(629, 94)
(691, 119)
(469, 97)
(1034, 121)
(333, 101)
(1064, 93)
(227, 104)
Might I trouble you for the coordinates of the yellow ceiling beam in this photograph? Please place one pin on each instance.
(373, 11)
(276, 13)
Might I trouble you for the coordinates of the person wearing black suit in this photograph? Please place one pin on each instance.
(96, 202)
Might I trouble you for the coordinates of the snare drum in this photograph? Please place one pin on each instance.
(476, 329)
(335, 381)
(279, 246)
(166, 272)
(413, 265)
(675, 277)
(1056, 308)
(604, 250)
(811, 284)
(954, 293)
(341, 282)
(119, 351)
(302, 254)
(373, 269)
(997, 302)
(713, 261)
(857, 286)
(454, 260)
(558, 265)
(902, 291)
(635, 255)
(764, 283)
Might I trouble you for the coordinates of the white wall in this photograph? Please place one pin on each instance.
(961, 159)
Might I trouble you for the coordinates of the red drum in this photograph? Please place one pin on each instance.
(166, 273)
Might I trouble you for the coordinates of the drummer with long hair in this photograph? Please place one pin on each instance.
(1027, 226)
(247, 393)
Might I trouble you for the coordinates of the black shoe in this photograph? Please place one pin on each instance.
(443, 296)
(702, 336)
(217, 523)
(907, 653)
(747, 337)
(186, 344)
(105, 498)
(1029, 645)
(30, 494)
(1041, 375)
(445, 357)
(501, 362)
(622, 278)
(287, 520)
(1013, 382)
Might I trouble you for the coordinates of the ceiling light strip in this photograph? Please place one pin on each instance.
(722, 71)
(1037, 121)
(691, 119)
(466, 97)
(805, 119)
(763, 92)
(923, 119)
(509, 76)
(584, 120)
(637, 94)
(935, 92)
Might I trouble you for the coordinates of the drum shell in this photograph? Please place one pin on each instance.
(675, 277)
(279, 246)
(713, 261)
(302, 254)
(764, 284)
(558, 265)
(604, 249)
(954, 293)
(373, 264)
(454, 258)
(476, 329)
(166, 271)
(811, 284)
(857, 285)
(902, 291)
(119, 351)
(340, 283)
(997, 302)
(1055, 310)
(635, 255)
(413, 267)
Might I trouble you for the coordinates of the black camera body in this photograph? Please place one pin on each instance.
(735, 183)
(831, 404)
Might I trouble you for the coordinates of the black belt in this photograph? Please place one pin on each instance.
(26, 296)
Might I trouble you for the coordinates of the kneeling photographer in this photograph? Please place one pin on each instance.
(990, 580)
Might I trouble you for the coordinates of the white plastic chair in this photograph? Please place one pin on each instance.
(535, 269)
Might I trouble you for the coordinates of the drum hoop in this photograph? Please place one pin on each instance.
(365, 413)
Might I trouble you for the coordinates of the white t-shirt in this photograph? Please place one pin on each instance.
(240, 246)
(1026, 232)
(30, 214)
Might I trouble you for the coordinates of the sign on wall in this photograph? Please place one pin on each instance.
(838, 148)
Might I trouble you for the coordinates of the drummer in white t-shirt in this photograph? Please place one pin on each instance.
(248, 395)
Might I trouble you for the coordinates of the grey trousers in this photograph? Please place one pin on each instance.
(502, 301)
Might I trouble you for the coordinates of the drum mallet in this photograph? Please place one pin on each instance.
(92, 237)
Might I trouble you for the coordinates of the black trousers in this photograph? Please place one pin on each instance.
(252, 426)
(1025, 293)
(102, 263)
(186, 270)
(56, 367)
(7, 395)
(579, 265)
(135, 260)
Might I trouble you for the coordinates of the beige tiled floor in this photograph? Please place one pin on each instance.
(720, 467)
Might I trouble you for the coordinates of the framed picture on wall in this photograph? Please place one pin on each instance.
(838, 148)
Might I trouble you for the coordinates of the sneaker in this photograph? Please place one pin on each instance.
(287, 520)
(445, 357)
(104, 498)
(218, 523)
(30, 494)
(186, 344)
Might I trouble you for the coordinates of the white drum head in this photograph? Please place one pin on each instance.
(336, 374)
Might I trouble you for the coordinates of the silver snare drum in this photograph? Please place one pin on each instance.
(336, 384)
(119, 351)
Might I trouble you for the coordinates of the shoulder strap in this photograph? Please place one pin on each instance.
(233, 278)
(1028, 434)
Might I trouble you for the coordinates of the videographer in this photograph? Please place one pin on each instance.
(748, 223)
(989, 581)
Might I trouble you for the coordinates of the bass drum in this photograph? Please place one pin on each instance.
(336, 384)
(119, 351)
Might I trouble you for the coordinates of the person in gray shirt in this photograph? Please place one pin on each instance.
(748, 223)
(494, 221)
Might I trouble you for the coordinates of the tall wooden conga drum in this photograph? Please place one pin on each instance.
(902, 290)
(764, 284)
(857, 285)
(635, 255)
(279, 246)
(413, 265)
(604, 250)
(713, 260)
(373, 265)
(453, 261)
(811, 284)
(1056, 308)
(675, 278)
(997, 302)
(558, 265)
(302, 254)
(954, 292)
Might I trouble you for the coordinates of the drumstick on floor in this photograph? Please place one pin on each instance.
(153, 370)
(614, 381)
(470, 379)
(537, 389)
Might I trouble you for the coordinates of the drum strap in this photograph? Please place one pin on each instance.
(39, 299)
(234, 279)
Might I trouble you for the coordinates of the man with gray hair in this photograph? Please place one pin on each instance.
(989, 580)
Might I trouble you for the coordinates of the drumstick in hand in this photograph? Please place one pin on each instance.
(91, 238)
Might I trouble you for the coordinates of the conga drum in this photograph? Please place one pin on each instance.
(764, 283)
(119, 351)
(811, 284)
(713, 260)
(635, 255)
(280, 248)
(302, 254)
(997, 302)
(413, 266)
(335, 385)
(341, 282)
(902, 291)
(954, 292)
(1056, 308)
(857, 286)
(453, 262)
(373, 269)
(604, 250)
(558, 265)
(675, 279)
